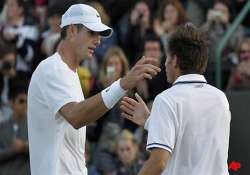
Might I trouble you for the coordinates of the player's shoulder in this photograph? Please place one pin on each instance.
(219, 94)
(50, 64)
(165, 96)
(216, 91)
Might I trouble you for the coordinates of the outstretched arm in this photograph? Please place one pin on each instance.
(91, 109)
(156, 163)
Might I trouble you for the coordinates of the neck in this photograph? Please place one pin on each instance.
(17, 117)
(68, 56)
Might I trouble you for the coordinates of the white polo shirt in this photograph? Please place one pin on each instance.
(56, 148)
(191, 120)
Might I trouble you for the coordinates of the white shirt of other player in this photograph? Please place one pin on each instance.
(56, 148)
(191, 120)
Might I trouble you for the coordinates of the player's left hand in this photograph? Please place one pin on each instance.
(136, 111)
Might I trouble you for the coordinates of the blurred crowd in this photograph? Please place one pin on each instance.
(30, 32)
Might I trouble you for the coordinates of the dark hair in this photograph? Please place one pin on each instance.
(64, 30)
(190, 45)
(18, 86)
(152, 37)
(20, 3)
(55, 10)
(6, 48)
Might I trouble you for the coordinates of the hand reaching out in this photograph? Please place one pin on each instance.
(136, 111)
(145, 68)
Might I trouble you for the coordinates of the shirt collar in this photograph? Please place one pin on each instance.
(190, 78)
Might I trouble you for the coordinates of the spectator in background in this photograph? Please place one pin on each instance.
(52, 35)
(114, 66)
(196, 11)
(106, 43)
(138, 27)
(49, 39)
(7, 73)
(171, 15)
(14, 157)
(21, 31)
(129, 162)
(240, 77)
(148, 89)
(104, 157)
(218, 22)
(41, 10)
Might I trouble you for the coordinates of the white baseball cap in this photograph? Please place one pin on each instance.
(87, 16)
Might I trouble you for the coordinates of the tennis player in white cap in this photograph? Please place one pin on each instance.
(57, 110)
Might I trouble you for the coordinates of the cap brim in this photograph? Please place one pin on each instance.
(101, 28)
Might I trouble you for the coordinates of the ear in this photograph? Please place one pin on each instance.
(71, 31)
(175, 61)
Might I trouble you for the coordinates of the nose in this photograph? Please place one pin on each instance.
(97, 40)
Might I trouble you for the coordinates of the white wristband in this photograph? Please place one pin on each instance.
(112, 94)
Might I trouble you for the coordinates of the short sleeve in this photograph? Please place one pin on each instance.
(59, 89)
(162, 125)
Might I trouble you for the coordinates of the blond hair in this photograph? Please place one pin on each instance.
(113, 51)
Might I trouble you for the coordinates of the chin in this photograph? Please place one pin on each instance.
(90, 56)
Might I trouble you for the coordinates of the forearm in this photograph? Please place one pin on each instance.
(88, 111)
(150, 168)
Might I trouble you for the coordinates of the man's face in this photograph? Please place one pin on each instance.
(126, 151)
(8, 65)
(19, 105)
(13, 10)
(153, 49)
(85, 43)
(170, 68)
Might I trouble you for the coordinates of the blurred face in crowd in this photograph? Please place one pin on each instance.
(114, 65)
(170, 15)
(19, 105)
(143, 9)
(54, 23)
(153, 49)
(223, 9)
(84, 41)
(8, 65)
(13, 10)
(126, 151)
(245, 51)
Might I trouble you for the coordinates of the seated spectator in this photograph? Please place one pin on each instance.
(104, 159)
(218, 22)
(171, 15)
(14, 157)
(129, 162)
(21, 31)
(7, 73)
(240, 77)
(113, 67)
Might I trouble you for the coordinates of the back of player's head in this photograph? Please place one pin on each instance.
(190, 45)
